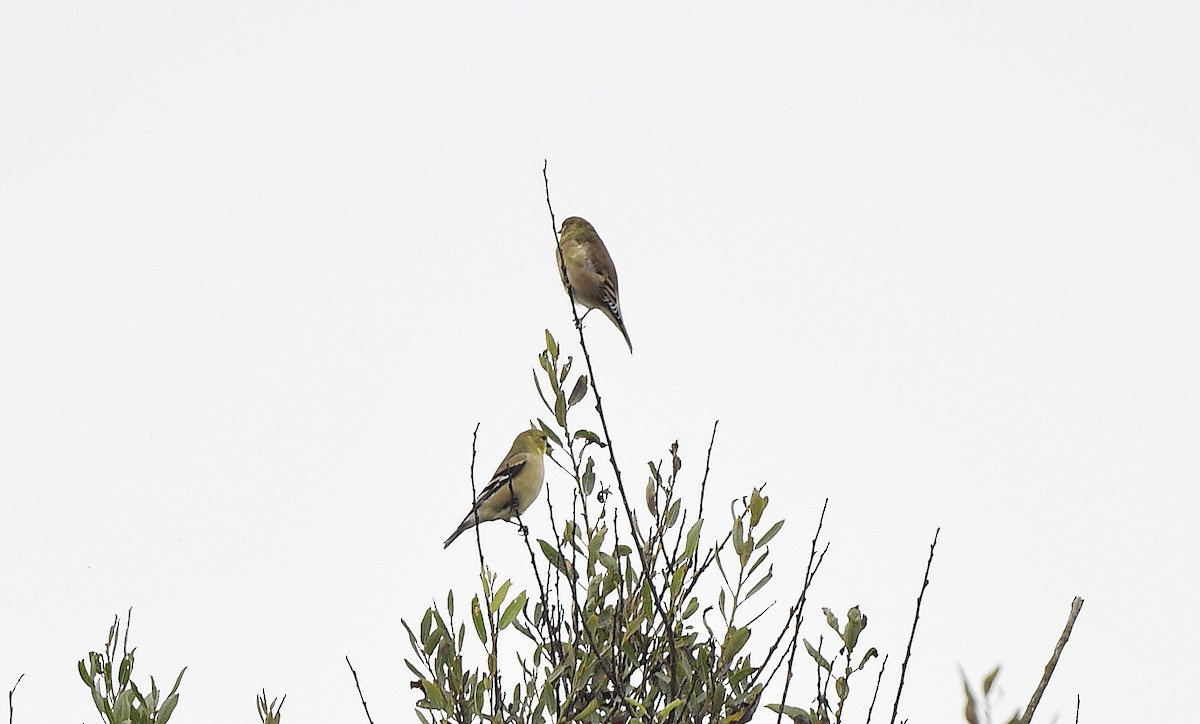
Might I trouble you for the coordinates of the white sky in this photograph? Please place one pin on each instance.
(263, 266)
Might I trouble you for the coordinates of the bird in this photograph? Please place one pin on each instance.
(513, 487)
(590, 269)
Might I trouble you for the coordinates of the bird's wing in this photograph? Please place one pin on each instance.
(496, 490)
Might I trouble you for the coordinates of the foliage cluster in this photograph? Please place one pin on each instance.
(620, 627)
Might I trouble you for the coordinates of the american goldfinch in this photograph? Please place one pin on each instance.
(591, 271)
(513, 487)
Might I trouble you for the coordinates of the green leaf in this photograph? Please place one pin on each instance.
(578, 392)
(816, 656)
(652, 497)
(549, 433)
(855, 623)
(498, 599)
(668, 709)
(673, 513)
(426, 623)
(588, 481)
(477, 615)
(511, 612)
(989, 680)
(832, 620)
(595, 543)
(538, 384)
(762, 582)
(125, 670)
(677, 579)
(739, 541)
(736, 640)
(168, 708)
(550, 552)
(791, 712)
(757, 562)
(771, 532)
(843, 688)
(432, 640)
(83, 674)
(101, 704)
(560, 408)
(433, 695)
(757, 504)
(120, 711)
(590, 436)
(693, 539)
(871, 654)
(551, 345)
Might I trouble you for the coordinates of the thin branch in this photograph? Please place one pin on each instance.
(913, 634)
(796, 614)
(360, 694)
(128, 624)
(1076, 605)
(707, 463)
(492, 660)
(797, 609)
(474, 509)
(791, 659)
(22, 676)
(639, 542)
(878, 681)
(1077, 709)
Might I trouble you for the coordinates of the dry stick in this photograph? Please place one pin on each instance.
(1077, 709)
(1076, 605)
(707, 463)
(878, 681)
(492, 660)
(797, 614)
(22, 676)
(791, 654)
(555, 642)
(913, 634)
(360, 694)
(612, 456)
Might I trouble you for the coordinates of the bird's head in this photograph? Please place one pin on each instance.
(575, 223)
(533, 439)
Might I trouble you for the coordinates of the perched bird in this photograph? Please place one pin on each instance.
(591, 271)
(513, 487)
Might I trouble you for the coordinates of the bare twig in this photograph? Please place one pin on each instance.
(360, 694)
(878, 681)
(797, 615)
(707, 463)
(10, 696)
(913, 634)
(128, 625)
(474, 510)
(1076, 605)
(639, 542)
(483, 576)
(1077, 709)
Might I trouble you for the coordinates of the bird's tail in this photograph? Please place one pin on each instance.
(616, 318)
(621, 326)
(613, 312)
(463, 527)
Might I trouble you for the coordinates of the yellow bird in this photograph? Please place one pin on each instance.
(513, 487)
(591, 271)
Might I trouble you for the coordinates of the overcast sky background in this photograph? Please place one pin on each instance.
(263, 266)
